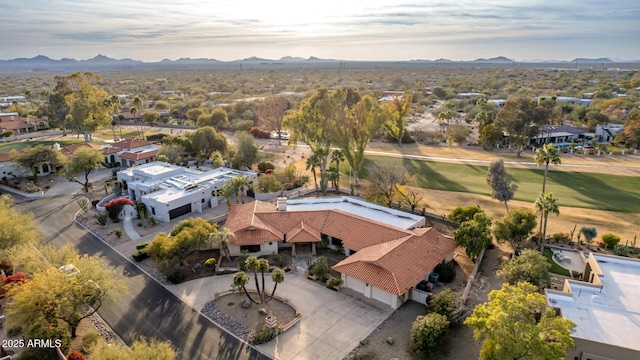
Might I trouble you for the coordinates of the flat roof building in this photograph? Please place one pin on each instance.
(605, 308)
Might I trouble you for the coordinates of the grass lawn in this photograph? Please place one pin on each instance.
(574, 189)
(19, 145)
(555, 268)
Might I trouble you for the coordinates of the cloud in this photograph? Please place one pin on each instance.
(146, 28)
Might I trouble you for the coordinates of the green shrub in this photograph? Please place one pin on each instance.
(621, 250)
(443, 303)
(265, 165)
(280, 260)
(140, 255)
(427, 334)
(210, 264)
(610, 240)
(142, 245)
(264, 335)
(101, 218)
(89, 341)
(446, 271)
(334, 283)
(118, 233)
(320, 269)
(269, 183)
(152, 220)
(178, 276)
(241, 260)
(576, 274)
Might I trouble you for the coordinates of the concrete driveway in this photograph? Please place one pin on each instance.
(332, 323)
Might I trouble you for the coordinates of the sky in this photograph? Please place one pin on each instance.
(330, 29)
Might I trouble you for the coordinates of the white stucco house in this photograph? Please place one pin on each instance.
(130, 152)
(170, 191)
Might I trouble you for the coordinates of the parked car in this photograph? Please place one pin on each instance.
(284, 134)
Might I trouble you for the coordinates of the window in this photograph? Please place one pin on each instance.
(153, 210)
(250, 248)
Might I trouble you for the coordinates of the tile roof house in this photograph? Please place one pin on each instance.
(21, 125)
(71, 149)
(129, 152)
(385, 262)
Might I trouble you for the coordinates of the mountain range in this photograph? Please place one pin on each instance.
(104, 63)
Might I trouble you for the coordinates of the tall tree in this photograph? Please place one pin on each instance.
(33, 157)
(57, 108)
(546, 154)
(206, 140)
(271, 113)
(84, 161)
(445, 114)
(530, 266)
(508, 327)
(312, 123)
(257, 265)
(114, 102)
(358, 119)
(397, 111)
(514, 227)
(137, 103)
(87, 104)
(501, 183)
(15, 227)
(520, 118)
(70, 294)
(384, 182)
(247, 153)
(312, 163)
(546, 204)
(336, 157)
(474, 235)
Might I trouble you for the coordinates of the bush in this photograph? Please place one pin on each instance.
(561, 236)
(320, 269)
(610, 240)
(280, 260)
(142, 245)
(259, 133)
(210, 264)
(17, 278)
(241, 125)
(269, 183)
(178, 276)
(140, 255)
(118, 233)
(242, 260)
(621, 250)
(89, 341)
(76, 355)
(101, 218)
(31, 188)
(265, 165)
(446, 271)
(334, 283)
(264, 335)
(443, 303)
(576, 274)
(115, 206)
(427, 334)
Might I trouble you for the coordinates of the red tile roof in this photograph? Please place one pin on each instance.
(71, 149)
(14, 122)
(139, 155)
(110, 150)
(388, 257)
(131, 143)
(398, 265)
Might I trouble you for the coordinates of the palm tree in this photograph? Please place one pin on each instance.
(277, 276)
(239, 183)
(136, 102)
(240, 280)
(114, 100)
(337, 156)
(221, 236)
(545, 155)
(545, 204)
(226, 192)
(312, 163)
(261, 266)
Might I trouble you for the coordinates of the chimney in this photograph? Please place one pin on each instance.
(281, 204)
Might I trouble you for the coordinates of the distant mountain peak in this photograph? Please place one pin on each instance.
(494, 60)
(587, 60)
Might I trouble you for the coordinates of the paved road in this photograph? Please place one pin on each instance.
(148, 309)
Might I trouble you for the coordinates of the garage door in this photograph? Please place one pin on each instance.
(182, 210)
(381, 295)
(355, 284)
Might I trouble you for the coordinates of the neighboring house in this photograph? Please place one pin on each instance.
(9, 169)
(558, 134)
(21, 125)
(388, 251)
(608, 132)
(170, 191)
(130, 152)
(604, 307)
(390, 95)
(69, 150)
